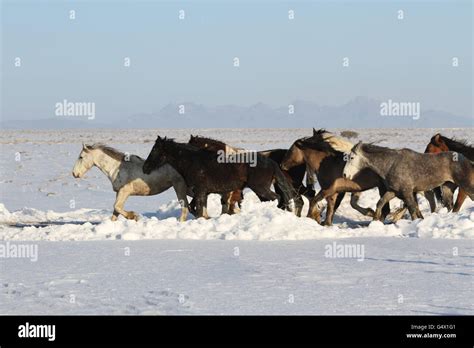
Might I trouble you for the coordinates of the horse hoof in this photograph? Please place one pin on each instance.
(132, 216)
(370, 213)
(113, 218)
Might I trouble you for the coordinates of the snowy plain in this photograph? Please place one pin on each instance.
(261, 261)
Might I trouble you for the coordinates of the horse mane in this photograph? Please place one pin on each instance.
(114, 153)
(217, 142)
(201, 138)
(371, 148)
(323, 140)
(457, 145)
(174, 144)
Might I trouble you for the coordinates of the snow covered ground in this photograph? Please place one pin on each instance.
(262, 261)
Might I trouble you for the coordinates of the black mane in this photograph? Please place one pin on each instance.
(371, 148)
(317, 142)
(170, 142)
(201, 138)
(461, 146)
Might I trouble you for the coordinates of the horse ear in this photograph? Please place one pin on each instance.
(437, 139)
(314, 131)
(85, 147)
(356, 146)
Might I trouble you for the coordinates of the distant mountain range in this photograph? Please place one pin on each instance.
(360, 112)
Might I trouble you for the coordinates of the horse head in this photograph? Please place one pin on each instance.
(355, 161)
(84, 162)
(157, 155)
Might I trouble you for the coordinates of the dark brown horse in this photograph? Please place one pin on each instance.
(323, 153)
(229, 200)
(204, 173)
(295, 177)
(440, 143)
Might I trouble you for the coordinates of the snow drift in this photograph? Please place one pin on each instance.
(257, 221)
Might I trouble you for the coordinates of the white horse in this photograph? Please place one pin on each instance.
(126, 175)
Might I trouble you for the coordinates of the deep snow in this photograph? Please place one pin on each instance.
(192, 267)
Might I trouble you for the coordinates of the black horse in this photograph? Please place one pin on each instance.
(204, 173)
(294, 176)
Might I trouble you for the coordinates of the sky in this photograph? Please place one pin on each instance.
(192, 60)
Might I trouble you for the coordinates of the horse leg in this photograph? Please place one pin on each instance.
(339, 199)
(397, 214)
(460, 200)
(410, 200)
(430, 196)
(419, 215)
(345, 185)
(314, 212)
(338, 186)
(299, 203)
(181, 190)
(447, 193)
(331, 208)
(308, 192)
(236, 199)
(279, 192)
(120, 199)
(386, 208)
(310, 181)
(225, 202)
(192, 207)
(354, 204)
(201, 205)
(387, 196)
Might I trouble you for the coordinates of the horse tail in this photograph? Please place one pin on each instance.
(288, 191)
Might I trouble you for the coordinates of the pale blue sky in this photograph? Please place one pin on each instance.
(191, 60)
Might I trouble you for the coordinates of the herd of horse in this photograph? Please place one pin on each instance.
(196, 169)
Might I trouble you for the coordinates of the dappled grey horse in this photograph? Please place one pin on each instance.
(126, 175)
(406, 172)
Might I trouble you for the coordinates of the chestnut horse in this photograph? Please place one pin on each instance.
(323, 154)
(440, 143)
